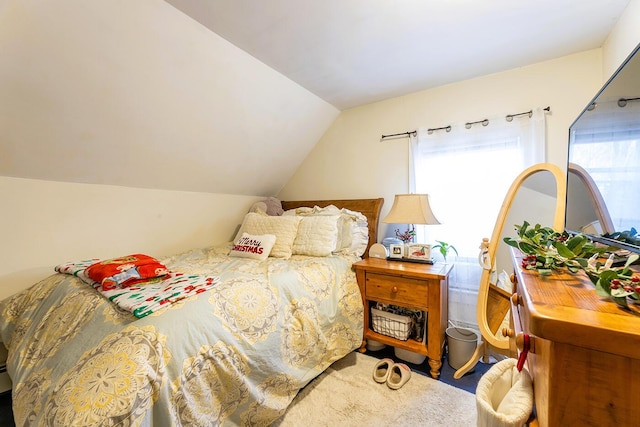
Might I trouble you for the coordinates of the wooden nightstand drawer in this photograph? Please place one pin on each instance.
(397, 290)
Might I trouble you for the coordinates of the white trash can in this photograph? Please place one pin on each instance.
(462, 342)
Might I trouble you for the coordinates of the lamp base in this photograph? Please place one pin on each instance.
(414, 260)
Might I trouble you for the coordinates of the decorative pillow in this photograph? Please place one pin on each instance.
(283, 227)
(353, 230)
(127, 271)
(317, 235)
(254, 247)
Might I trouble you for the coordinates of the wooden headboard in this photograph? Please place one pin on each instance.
(368, 207)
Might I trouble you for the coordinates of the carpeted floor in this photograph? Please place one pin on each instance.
(346, 395)
(468, 382)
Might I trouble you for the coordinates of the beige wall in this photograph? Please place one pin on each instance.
(44, 223)
(121, 95)
(623, 39)
(351, 161)
(137, 94)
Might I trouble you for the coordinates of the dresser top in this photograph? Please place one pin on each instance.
(564, 307)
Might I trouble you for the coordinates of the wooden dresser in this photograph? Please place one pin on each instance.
(419, 286)
(585, 358)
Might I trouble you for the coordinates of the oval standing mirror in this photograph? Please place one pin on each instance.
(534, 195)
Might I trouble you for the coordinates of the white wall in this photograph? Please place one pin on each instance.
(44, 223)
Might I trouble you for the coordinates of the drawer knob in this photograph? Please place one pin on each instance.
(521, 343)
(519, 339)
(515, 300)
(394, 289)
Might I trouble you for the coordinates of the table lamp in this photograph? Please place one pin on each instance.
(411, 209)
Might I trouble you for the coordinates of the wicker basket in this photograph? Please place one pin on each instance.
(392, 325)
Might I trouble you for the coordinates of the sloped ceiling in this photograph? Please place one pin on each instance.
(354, 52)
(138, 94)
(229, 96)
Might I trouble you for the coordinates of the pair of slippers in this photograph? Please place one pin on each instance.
(394, 374)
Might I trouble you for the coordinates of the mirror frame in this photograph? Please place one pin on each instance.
(487, 293)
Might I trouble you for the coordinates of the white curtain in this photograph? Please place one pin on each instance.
(467, 172)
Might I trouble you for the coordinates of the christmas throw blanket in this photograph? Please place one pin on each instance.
(140, 297)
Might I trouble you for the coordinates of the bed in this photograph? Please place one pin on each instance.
(234, 352)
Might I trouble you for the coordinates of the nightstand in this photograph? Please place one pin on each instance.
(418, 286)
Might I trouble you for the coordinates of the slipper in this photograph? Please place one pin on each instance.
(399, 374)
(382, 369)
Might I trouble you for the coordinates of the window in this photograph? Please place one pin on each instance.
(467, 173)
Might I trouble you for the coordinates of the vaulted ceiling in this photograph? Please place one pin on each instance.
(230, 96)
(354, 52)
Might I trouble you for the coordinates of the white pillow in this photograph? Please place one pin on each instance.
(327, 211)
(254, 247)
(353, 232)
(283, 227)
(359, 237)
(317, 235)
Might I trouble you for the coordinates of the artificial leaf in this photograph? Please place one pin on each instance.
(632, 258)
(563, 251)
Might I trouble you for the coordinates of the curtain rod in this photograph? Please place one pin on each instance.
(408, 133)
(510, 117)
(485, 122)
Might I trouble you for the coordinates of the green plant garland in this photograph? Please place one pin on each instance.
(547, 250)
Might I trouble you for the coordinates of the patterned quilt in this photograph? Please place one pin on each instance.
(234, 355)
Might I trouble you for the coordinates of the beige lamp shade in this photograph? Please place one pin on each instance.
(411, 209)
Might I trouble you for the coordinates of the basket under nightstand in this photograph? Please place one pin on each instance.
(391, 324)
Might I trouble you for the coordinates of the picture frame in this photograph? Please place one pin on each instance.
(396, 251)
(419, 251)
